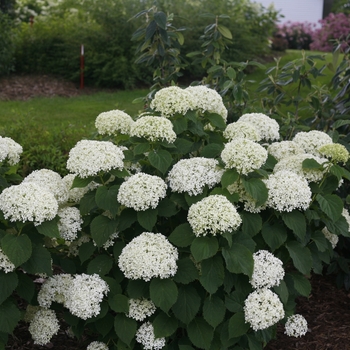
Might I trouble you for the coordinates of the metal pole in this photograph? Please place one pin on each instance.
(82, 66)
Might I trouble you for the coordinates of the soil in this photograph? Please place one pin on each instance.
(327, 309)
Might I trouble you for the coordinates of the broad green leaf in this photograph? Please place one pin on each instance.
(9, 317)
(141, 148)
(86, 251)
(125, 328)
(200, 333)
(164, 325)
(39, 262)
(163, 293)
(216, 120)
(104, 325)
(282, 291)
(186, 271)
(212, 273)
(126, 218)
(161, 160)
(182, 236)
(87, 203)
(330, 204)
(311, 164)
(49, 228)
(187, 304)
(231, 73)
(301, 256)
(237, 325)
(147, 218)
(257, 189)
(229, 177)
(295, 220)
(25, 288)
(204, 247)
(167, 208)
(301, 284)
(102, 227)
(119, 303)
(8, 283)
(214, 310)
(101, 265)
(234, 302)
(244, 239)
(239, 259)
(321, 241)
(274, 235)
(179, 125)
(78, 182)
(213, 150)
(340, 227)
(137, 289)
(106, 198)
(251, 223)
(225, 32)
(161, 19)
(183, 146)
(17, 248)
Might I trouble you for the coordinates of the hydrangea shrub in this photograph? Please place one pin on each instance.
(184, 234)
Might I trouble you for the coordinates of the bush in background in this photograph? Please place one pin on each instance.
(7, 47)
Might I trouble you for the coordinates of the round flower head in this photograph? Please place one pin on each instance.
(268, 127)
(52, 181)
(214, 215)
(241, 130)
(5, 264)
(268, 270)
(28, 202)
(346, 215)
(77, 193)
(244, 155)
(142, 191)
(207, 100)
(113, 122)
(147, 256)
(139, 309)
(153, 129)
(145, 336)
(10, 149)
(192, 175)
(295, 165)
(70, 223)
(85, 294)
(284, 149)
(332, 238)
(287, 191)
(311, 141)
(262, 309)
(88, 158)
(43, 326)
(336, 152)
(171, 100)
(296, 326)
(97, 345)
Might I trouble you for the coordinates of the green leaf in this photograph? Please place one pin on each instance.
(182, 236)
(282, 291)
(224, 31)
(9, 317)
(213, 150)
(49, 228)
(147, 218)
(167, 208)
(182, 145)
(204, 247)
(239, 259)
(137, 289)
(164, 325)
(125, 328)
(102, 227)
(200, 333)
(257, 189)
(231, 73)
(212, 274)
(104, 325)
(301, 256)
(187, 304)
(301, 284)
(331, 205)
(106, 198)
(237, 325)
(126, 218)
(163, 293)
(310, 163)
(86, 251)
(214, 310)
(186, 271)
(251, 223)
(101, 265)
(229, 177)
(161, 160)
(141, 148)
(119, 303)
(25, 288)
(17, 248)
(8, 283)
(274, 235)
(180, 125)
(296, 221)
(321, 241)
(160, 18)
(80, 183)
(87, 203)
(216, 120)
(39, 262)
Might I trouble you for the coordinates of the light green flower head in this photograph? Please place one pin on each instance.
(336, 152)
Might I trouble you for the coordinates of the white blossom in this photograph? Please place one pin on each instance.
(296, 326)
(148, 256)
(10, 149)
(284, 149)
(5, 264)
(113, 122)
(312, 140)
(145, 336)
(242, 130)
(97, 345)
(69, 223)
(139, 309)
(331, 237)
(336, 152)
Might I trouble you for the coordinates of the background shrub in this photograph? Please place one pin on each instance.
(7, 46)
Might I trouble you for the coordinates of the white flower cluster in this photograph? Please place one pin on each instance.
(69, 223)
(192, 175)
(332, 238)
(207, 100)
(147, 256)
(113, 122)
(145, 336)
(262, 309)
(244, 155)
(312, 140)
(110, 241)
(139, 309)
(171, 100)
(241, 130)
(97, 345)
(284, 149)
(268, 127)
(77, 193)
(287, 191)
(336, 152)
(295, 165)
(88, 158)
(268, 270)
(153, 129)
(5, 264)
(142, 191)
(346, 215)
(28, 202)
(43, 326)
(296, 326)
(10, 149)
(214, 215)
